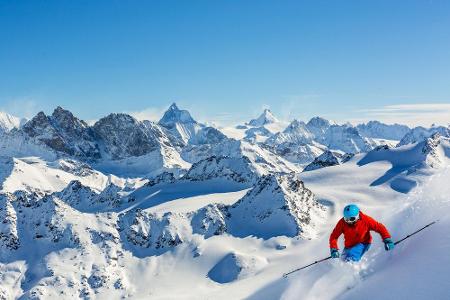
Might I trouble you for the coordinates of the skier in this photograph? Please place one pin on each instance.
(356, 228)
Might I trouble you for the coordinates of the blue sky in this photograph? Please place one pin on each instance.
(226, 60)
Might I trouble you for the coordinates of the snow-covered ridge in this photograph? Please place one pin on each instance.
(277, 205)
(409, 161)
(235, 169)
(420, 133)
(376, 129)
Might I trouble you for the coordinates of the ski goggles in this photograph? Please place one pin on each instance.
(351, 220)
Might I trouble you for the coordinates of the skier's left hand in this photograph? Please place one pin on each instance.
(334, 253)
(388, 244)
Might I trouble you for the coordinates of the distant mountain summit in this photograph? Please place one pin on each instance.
(181, 125)
(378, 130)
(318, 126)
(296, 133)
(265, 118)
(259, 129)
(8, 122)
(174, 116)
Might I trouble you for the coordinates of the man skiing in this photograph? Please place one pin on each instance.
(356, 228)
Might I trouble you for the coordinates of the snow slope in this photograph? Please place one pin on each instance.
(113, 263)
(32, 174)
(416, 269)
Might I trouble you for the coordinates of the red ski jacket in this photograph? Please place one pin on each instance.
(358, 232)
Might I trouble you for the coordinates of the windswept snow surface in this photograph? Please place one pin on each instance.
(416, 269)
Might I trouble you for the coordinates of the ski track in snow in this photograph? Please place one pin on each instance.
(415, 269)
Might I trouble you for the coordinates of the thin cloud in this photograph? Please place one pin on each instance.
(423, 114)
(21, 107)
(150, 113)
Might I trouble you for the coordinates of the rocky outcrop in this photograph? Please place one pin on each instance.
(64, 133)
(124, 136)
(152, 231)
(9, 238)
(210, 220)
(328, 159)
(234, 169)
(85, 199)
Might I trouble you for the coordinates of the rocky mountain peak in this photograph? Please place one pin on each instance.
(295, 125)
(67, 121)
(318, 122)
(117, 119)
(61, 111)
(174, 115)
(63, 132)
(124, 136)
(36, 124)
(265, 118)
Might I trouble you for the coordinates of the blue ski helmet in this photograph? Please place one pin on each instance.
(351, 210)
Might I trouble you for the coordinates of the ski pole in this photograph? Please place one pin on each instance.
(316, 262)
(324, 259)
(417, 231)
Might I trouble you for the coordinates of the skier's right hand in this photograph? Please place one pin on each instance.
(334, 253)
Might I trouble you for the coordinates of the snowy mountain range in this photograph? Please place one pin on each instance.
(139, 209)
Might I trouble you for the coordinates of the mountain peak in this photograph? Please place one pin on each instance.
(319, 122)
(8, 122)
(173, 106)
(59, 109)
(65, 119)
(175, 115)
(60, 112)
(266, 117)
